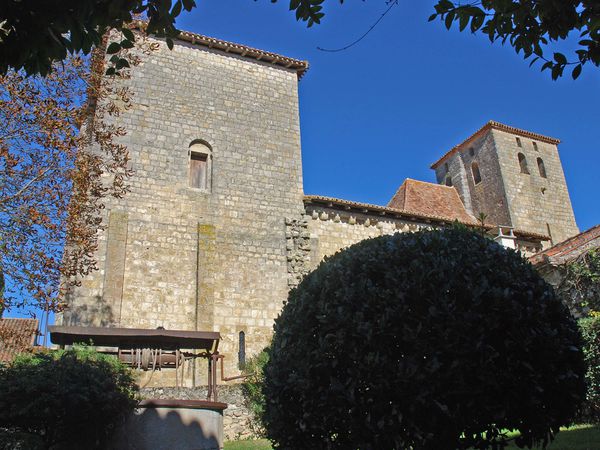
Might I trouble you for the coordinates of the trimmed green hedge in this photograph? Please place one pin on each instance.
(69, 398)
(432, 340)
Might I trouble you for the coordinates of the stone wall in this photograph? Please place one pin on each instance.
(210, 259)
(332, 230)
(238, 421)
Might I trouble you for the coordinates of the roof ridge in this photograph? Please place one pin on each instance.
(498, 126)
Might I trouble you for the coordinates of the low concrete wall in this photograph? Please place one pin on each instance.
(238, 421)
(173, 424)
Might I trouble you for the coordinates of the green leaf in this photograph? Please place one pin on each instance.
(560, 58)
(449, 19)
(176, 8)
(114, 47)
(122, 63)
(576, 71)
(128, 34)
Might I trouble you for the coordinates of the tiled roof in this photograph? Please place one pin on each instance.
(238, 49)
(16, 336)
(498, 126)
(569, 249)
(430, 200)
(377, 210)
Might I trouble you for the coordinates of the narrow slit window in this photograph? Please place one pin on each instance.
(519, 142)
(475, 172)
(523, 163)
(535, 146)
(541, 168)
(242, 350)
(448, 181)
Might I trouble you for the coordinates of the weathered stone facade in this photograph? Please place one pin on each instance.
(201, 259)
(222, 255)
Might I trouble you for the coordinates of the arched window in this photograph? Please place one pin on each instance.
(448, 180)
(200, 172)
(476, 173)
(523, 163)
(242, 350)
(541, 168)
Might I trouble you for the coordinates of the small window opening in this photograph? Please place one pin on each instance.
(471, 151)
(448, 181)
(523, 163)
(242, 350)
(476, 173)
(446, 168)
(541, 168)
(200, 166)
(519, 142)
(535, 147)
(198, 170)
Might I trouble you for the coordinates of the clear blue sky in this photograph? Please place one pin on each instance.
(388, 107)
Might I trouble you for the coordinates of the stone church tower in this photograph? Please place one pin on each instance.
(513, 176)
(199, 243)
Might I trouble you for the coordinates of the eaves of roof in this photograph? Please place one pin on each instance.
(565, 247)
(497, 126)
(241, 50)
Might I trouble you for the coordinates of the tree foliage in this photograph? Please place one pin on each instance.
(432, 340)
(527, 25)
(59, 158)
(580, 286)
(34, 34)
(74, 398)
(252, 389)
(590, 330)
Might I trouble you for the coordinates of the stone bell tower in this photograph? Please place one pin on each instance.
(514, 177)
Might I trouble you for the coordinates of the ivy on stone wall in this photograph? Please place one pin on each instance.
(580, 288)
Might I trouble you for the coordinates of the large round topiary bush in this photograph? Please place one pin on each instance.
(432, 340)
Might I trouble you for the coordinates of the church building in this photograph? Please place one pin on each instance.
(217, 228)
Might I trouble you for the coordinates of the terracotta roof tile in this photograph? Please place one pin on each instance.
(16, 336)
(430, 199)
(569, 249)
(498, 126)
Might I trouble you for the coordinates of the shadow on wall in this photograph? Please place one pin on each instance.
(167, 429)
(97, 313)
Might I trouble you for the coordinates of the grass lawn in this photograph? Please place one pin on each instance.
(579, 437)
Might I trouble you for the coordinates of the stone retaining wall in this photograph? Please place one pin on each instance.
(238, 421)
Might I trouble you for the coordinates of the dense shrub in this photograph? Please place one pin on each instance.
(432, 340)
(65, 399)
(590, 330)
(252, 389)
